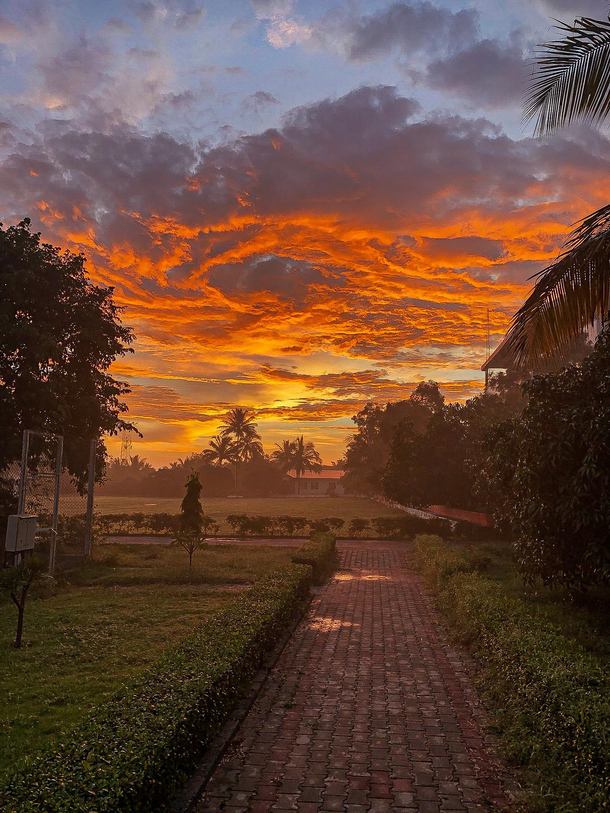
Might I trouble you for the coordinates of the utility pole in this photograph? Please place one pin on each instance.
(90, 487)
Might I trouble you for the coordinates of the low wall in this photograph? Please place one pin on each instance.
(475, 517)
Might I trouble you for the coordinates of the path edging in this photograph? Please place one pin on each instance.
(185, 801)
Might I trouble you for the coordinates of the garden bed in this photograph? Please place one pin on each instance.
(545, 671)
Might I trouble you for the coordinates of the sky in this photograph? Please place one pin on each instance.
(301, 205)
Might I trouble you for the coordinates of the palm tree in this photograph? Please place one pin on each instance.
(221, 450)
(239, 424)
(249, 449)
(283, 456)
(305, 458)
(572, 84)
(139, 465)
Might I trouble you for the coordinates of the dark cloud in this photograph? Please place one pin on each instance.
(463, 246)
(75, 73)
(412, 28)
(258, 102)
(278, 275)
(269, 8)
(180, 14)
(489, 72)
(118, 26)
(598, 9)
(438, 48)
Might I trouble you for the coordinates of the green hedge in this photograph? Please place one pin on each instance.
(552, 696)
(320, 553)
(132, 752)
(405, 526)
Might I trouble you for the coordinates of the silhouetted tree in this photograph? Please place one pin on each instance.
(59, 334)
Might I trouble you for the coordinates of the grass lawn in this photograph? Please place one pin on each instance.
(219, 507)
(113, 618)
(585, 621)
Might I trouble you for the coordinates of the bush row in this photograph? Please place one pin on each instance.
(552, 696)
(132, 752)
(285, 525)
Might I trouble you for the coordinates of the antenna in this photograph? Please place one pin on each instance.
(125, 449)
(488, 337)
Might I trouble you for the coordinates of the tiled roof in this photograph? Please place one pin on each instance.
(327, 474)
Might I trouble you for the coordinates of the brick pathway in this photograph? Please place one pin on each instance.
(368, 709)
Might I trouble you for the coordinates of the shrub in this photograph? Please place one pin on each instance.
(320, 553)
(237, 523)
(286, 525)
(553, 696)
(358, 526)
(408, 526)
(133, 751)
(209, 526)
(319, 526)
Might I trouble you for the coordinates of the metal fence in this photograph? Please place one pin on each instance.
(39, 485)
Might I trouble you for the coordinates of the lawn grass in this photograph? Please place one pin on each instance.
(583, 619)
(219, 508)
(124, 565)
(105, 623)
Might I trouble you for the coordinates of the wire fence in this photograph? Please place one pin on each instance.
(39, 485)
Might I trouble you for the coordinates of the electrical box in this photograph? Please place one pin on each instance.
(20, 532)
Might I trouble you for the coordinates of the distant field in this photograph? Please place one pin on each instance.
(219, 507)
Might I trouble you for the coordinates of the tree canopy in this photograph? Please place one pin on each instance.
(549, 476)
(59, 334)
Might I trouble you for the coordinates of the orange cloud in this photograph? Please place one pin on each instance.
(303, 271)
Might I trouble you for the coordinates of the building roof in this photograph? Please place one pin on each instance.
(500, 359)
(325, 474)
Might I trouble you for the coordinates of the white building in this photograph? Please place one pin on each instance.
(317, 484)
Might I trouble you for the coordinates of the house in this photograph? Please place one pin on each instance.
(317, 484)
(500, 361)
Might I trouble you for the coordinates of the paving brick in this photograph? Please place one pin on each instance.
(369, 709)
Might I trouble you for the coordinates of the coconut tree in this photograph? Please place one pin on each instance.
(221, 450)
(305, 458)
(283, 455)
(240, 426)
(572, 83)
(249, 449)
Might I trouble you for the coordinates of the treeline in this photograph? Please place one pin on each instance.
(233, 463)
(260, 477)
(533, 452)
(424, 451)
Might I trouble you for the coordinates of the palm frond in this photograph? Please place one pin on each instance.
(568, 296)
(572, 81)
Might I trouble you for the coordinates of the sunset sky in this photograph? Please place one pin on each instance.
(301, 205)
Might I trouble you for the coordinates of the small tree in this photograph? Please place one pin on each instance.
(190, 536)
(16, 582)
(190, 542)
(191, 512)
